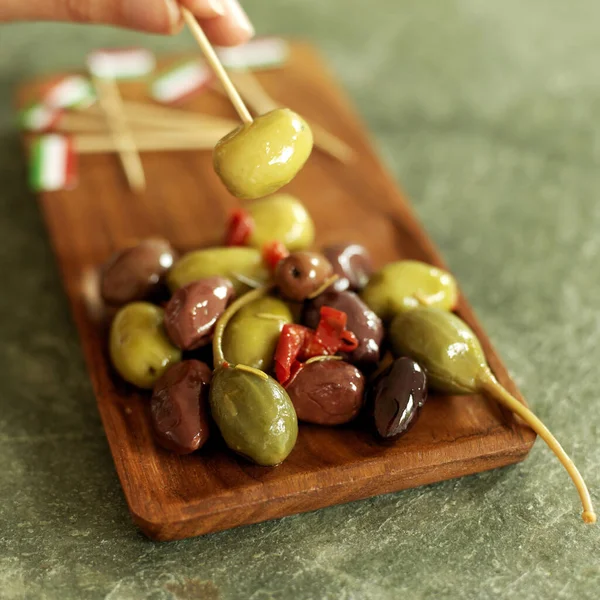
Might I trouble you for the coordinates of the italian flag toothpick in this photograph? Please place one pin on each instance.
(74, 91)
(182, 81)
(260, 53)
(39, 117)
(52, 165)
(121, 63)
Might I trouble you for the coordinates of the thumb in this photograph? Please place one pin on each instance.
(154, 16)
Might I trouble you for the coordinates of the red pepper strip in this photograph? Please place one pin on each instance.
(273, 252)
(239, 228)
(312, 347)
(332, 324)
(330, 337)
(349, 341)
(296, 366)
(331, 331)
(297, 343)
(290, 342)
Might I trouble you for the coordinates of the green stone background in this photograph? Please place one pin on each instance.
(487, 112)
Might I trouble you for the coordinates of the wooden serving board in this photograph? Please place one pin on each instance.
(173, 497)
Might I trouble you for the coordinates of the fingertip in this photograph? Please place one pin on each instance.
(161, 17)
(205, 9)
(174, 16)
(231, 29)
(223, 32)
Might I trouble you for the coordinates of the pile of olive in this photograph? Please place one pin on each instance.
(296, 335)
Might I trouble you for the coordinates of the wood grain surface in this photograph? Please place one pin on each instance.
(173, 497)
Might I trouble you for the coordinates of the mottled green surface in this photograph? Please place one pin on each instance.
(488, 112)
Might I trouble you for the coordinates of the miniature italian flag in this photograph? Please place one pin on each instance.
(39, 117)
(181, 82)
(52, 165)
(121, 63)
(260, 53)
(74, 91)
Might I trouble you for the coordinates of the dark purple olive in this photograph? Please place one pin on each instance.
(327, 392)
(193, 311)
(301, 274)
(136, 273)
(362, 322)
(179, 407)
(397, 396)
(352, 262)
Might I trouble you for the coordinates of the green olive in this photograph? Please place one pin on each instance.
(252, 334)
(139, 347)
(407, 284)
(254, 415)
(282, 218)
(258, 158)
(444, 345)
(226, 262)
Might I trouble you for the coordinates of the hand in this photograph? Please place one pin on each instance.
(224, 21)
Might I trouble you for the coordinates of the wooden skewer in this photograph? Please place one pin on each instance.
(261, 102)
(213, 60)
(100, 143)
(112, 105)
(93, 122)
(80, 122)
(170, 116)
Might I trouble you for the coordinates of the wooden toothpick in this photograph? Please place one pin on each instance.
(111, 103)
(167, 117)
(143, 117)
(150, 141)
(215, 64)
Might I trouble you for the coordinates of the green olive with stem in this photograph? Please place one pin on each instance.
(252, 334)
(455, 362)
(252, 411)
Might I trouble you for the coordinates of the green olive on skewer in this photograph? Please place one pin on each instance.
(260, 157)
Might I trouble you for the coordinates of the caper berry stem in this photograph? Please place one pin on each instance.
(252, 370)
(490, 385)
(218, 356)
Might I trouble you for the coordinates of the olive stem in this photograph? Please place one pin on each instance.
(422, 299)
(323, 286)
(218, 356)
(384, 363)
(322, 358)
(252, 283)
(490, 385)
